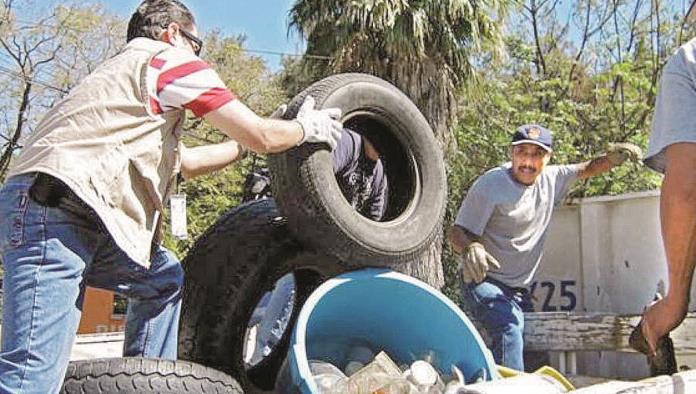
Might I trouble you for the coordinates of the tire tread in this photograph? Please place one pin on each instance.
(140, 375)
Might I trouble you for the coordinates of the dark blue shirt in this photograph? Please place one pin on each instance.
(361, 179)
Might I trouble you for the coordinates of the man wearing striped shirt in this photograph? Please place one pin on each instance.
(83, 202)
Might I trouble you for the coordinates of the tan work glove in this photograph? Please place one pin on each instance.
(474, 263)
(619, 153)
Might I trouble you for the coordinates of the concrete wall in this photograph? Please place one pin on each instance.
(607, 254)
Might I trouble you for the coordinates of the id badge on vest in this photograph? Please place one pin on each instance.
(177, 209)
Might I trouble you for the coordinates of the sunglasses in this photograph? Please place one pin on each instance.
(195, 41)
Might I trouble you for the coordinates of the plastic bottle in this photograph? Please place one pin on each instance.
(326, 375)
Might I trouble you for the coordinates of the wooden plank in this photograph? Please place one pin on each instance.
(564, 331)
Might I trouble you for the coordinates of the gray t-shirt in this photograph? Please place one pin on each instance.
(512, 219)
(675, 108)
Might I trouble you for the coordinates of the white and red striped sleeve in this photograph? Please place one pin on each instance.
(177, 79)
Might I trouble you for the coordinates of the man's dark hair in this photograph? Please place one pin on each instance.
(152, 17)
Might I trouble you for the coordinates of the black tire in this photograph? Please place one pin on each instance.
(228, 270)
(307, 193)
(135, 375)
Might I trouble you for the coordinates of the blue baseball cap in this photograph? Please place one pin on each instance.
(533, 134)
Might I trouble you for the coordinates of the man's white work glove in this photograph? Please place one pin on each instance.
(319, 125)
(474, 263)
(619, 153)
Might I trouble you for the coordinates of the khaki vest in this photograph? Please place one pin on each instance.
(105, 143)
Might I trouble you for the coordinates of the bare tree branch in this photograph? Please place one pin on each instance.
(551, 8)
(585, 38)
(541, 62)
(603, 20)
(21, 118)
(49, 58)
(620, 79)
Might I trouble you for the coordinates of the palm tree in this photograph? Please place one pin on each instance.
(424, 47)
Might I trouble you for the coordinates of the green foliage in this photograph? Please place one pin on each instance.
(208, 198)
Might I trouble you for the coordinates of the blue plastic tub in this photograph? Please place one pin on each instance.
(389, 311)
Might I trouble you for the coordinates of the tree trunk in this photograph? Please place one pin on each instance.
(428, 268)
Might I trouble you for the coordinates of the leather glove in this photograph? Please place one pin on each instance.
(319, 125)
(474, 263)
(618, 153)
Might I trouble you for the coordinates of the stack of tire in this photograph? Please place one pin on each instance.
(309, 229)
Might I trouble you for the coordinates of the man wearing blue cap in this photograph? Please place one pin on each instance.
(501, 227)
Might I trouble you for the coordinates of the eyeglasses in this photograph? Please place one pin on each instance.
(195, 41)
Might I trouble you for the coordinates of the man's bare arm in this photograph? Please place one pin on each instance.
(594, 167)
(266, 135)
(460, 238)
(262, 135)
(205, 159)
(678, 217)
(615, 156)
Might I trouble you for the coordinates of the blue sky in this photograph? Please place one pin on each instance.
(264, 22)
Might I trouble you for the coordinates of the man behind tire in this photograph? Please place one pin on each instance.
(500, 230)
(672, 151)
(83, 201)
(360, 174)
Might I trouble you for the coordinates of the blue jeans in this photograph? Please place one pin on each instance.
(501, 310)
(50, 254)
